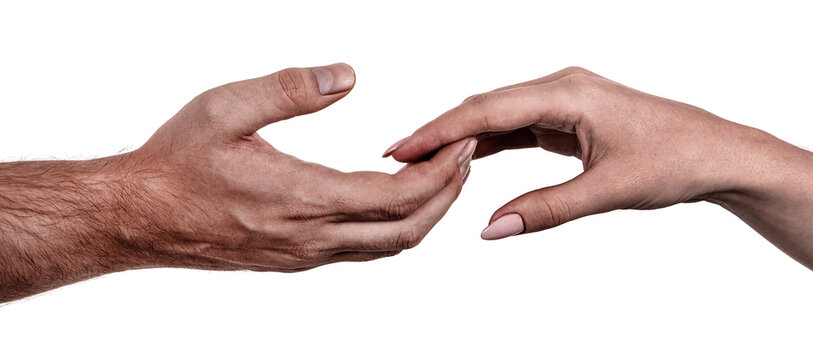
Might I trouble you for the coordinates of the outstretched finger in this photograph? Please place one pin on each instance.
(369, 196)
(556, 105)
(398, 234)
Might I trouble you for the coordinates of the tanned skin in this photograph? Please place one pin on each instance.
(206, 192)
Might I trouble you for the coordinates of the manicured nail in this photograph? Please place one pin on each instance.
(503, 227)
(334, 78)
(466, 174)
(394, 146)
(464, 159)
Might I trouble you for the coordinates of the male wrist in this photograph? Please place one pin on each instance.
(129, 217)
(61, 222)
(101, 202)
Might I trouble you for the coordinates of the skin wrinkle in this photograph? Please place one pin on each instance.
(203, 194)
(207, 192)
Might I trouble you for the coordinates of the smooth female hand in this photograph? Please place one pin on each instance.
(639, 152)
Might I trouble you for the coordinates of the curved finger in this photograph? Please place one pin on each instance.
(399, 234)
(557, 105)
(367, 196)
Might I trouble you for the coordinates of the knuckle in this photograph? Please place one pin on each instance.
(578, 80)
(552, 212)
(400, 207)
(293, 88)
(415, 173)
(213, 103)
(391, 253)
(305, 254)
(570, 70)
(480, 103)
(407, 238)
(478, 100)
(586, 88)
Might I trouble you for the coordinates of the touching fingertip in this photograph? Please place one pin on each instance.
(394, 147)
(466, 153)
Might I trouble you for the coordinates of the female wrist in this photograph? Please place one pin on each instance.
(759, 167)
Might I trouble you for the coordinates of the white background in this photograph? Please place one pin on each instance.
(86, 79)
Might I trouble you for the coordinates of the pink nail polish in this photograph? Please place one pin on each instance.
(503, 227)
(392, 148)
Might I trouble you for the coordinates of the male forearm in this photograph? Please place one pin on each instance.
(60, 222)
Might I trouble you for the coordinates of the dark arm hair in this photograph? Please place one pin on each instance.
(60, 222)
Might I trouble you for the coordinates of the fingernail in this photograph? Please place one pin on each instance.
(466, 174)
(503, 227)
(394, 146)
(334, 78)
(465, 156)
(464, 167)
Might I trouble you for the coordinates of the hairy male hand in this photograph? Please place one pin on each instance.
(207, 192)
(215, 195)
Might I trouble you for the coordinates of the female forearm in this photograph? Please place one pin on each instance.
(638, 151)
(773, 193)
